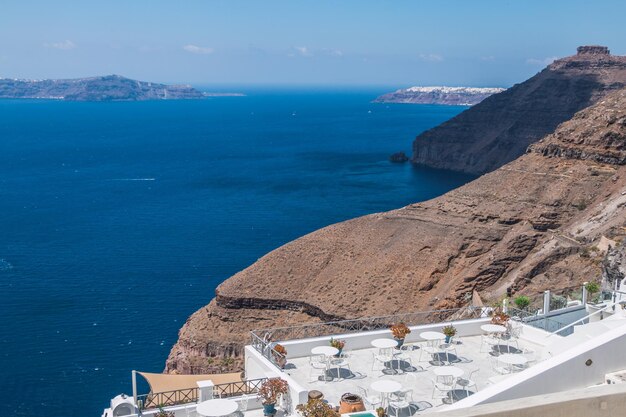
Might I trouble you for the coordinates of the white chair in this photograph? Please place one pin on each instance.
(402, 356)
(499, 367)
(400, 400)
(448, 348)
(317, 367)
(468, 382)
(372, 400)
(428, 348)
(514, 331)
(339, 363)
(442, 386)
(382, 357)
(488, 340)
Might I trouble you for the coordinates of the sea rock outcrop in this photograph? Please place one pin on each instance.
(530, 225)
(500, 128)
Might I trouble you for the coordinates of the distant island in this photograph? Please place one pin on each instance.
(102, 88)
(454, 96)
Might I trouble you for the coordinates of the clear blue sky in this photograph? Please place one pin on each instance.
(475, 43)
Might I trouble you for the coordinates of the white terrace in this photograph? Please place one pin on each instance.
(480, 366)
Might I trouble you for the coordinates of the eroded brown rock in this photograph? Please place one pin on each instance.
(500, 128)
(528, 225)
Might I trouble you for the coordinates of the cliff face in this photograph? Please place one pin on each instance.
(530, 225)
(453, 96)
(500, 128)
(105, 88)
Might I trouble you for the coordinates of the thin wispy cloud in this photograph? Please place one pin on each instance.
(430, 57)
(302, 51)
(200, 50)
(488, 58)
(64, 45)
(542, 62)
(334, 52)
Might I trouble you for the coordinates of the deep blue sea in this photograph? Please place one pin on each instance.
(118, 220)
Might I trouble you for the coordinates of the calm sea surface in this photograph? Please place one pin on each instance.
(118, 220)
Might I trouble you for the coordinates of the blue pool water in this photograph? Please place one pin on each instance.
(118, 220)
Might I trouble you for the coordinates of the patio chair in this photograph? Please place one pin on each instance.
(402, 356)
(448, 348)
(400, 400)
(468, 382)
(499, 367)
(514, 330)
(372, 400)
(488, 340)
(441, 389)
(317, 367)
(383, 357)
(339, 363)
(428, 348)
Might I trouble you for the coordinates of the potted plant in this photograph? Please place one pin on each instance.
(337, 344)
(592, 288)
(163, 413)
(449, 331)
(399, 332)
(500, 318)
(316, 408)
(280, 355)
(269, 393)
(522, 302)
(381, 412)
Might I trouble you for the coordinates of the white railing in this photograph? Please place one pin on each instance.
(585, 318)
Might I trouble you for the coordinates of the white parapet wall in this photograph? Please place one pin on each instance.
(302, 347)
(257, 366)
(580, 366)
(601, 401)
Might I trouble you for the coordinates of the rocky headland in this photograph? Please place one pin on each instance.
(452, 96)
(500, 128)
(104, 88)
(532, 224)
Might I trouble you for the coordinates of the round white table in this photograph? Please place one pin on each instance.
(512, 360)
(384, 343)
(325, 350)
(430, 336)
(217, 407)
(493, 328)
(452, 371)
(385, 387)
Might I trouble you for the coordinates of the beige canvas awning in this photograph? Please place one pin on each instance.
(170, 382)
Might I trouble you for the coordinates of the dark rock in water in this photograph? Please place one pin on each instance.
(398, 157)
(500, 128)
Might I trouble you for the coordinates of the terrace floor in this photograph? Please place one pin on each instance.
(416, 375)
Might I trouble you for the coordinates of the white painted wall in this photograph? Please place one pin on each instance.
(257, 366)
(565, 371)
(302, 347)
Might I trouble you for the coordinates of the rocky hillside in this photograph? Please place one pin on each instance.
(530, 225)
(500, 128)
(453, 96)
(105, 88)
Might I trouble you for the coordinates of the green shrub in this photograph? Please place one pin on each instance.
(592, 287)
(522, 302)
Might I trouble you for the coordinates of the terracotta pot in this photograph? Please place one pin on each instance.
(351, 403)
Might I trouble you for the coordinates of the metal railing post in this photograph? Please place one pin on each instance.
(546, 302)
(585, 295)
